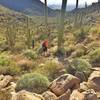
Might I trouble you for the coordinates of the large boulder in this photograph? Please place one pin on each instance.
(94, 81)
(83, 86)
(1, 77)
(76, 95)
(60, 85)
(25, 95)
(6, 93)
(86, 95)
(49, 95)
(90, 94)
(65, 96)
(5, 81)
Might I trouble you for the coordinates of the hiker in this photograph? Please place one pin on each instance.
(33, 43)
(45, 47)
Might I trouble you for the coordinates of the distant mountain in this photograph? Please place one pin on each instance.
(69, 7)
(29, 7)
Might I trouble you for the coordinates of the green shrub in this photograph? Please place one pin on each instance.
(80, 35)
(30, 54)
(4, 60)
(12, 69)
(33, 82)
(80, 65)
(80, 52)
(95, 57)
(69, 50)
(49, 68)
(42, 37)
(7, 66)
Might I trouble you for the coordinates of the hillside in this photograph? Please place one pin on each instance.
(29, 7)
(29, 73)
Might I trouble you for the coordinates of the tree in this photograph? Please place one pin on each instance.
(77, 1)
(61, 26)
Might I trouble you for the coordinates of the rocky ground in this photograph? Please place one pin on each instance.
(65, 87)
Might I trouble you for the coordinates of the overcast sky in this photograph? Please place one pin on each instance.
(69, 1)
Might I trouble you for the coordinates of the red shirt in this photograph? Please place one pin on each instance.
(45, 43)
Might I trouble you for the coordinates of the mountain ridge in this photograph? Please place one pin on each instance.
(29, 7)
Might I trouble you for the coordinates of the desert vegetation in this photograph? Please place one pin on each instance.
(70, 67)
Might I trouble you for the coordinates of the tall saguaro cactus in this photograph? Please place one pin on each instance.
(77, 2)
(46, 13)
(86, 5)
(28, 34)
(76, 14)
(61, 26)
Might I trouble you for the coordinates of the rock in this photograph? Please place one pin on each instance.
(1, 77)
(5, 81)
(90, 94)
(76, 95)
(95, 69)
(81, 76)
(98, 95)
(49, 95)
(25, 95)
(94, 81)
(65, 96)
(6, 93)
(60, 85)
(83, 86)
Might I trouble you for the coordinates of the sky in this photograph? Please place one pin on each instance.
(50, 2)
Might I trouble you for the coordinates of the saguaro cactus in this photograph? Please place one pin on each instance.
(46, 12)
(28, 34)
(77, 2)
(10, 37)
(61, 26)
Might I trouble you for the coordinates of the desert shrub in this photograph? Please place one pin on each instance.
(30, 54)
(69, 50)
(42, 37)
(80, 52)
(95, 32)
(19, 47)
(80, 65)
(95, 57)
(93, 45)
(8, 66)
(49, 68)
(80, 35)
(4, 60)
(25, 64)
(33, 82)
(12, 69)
